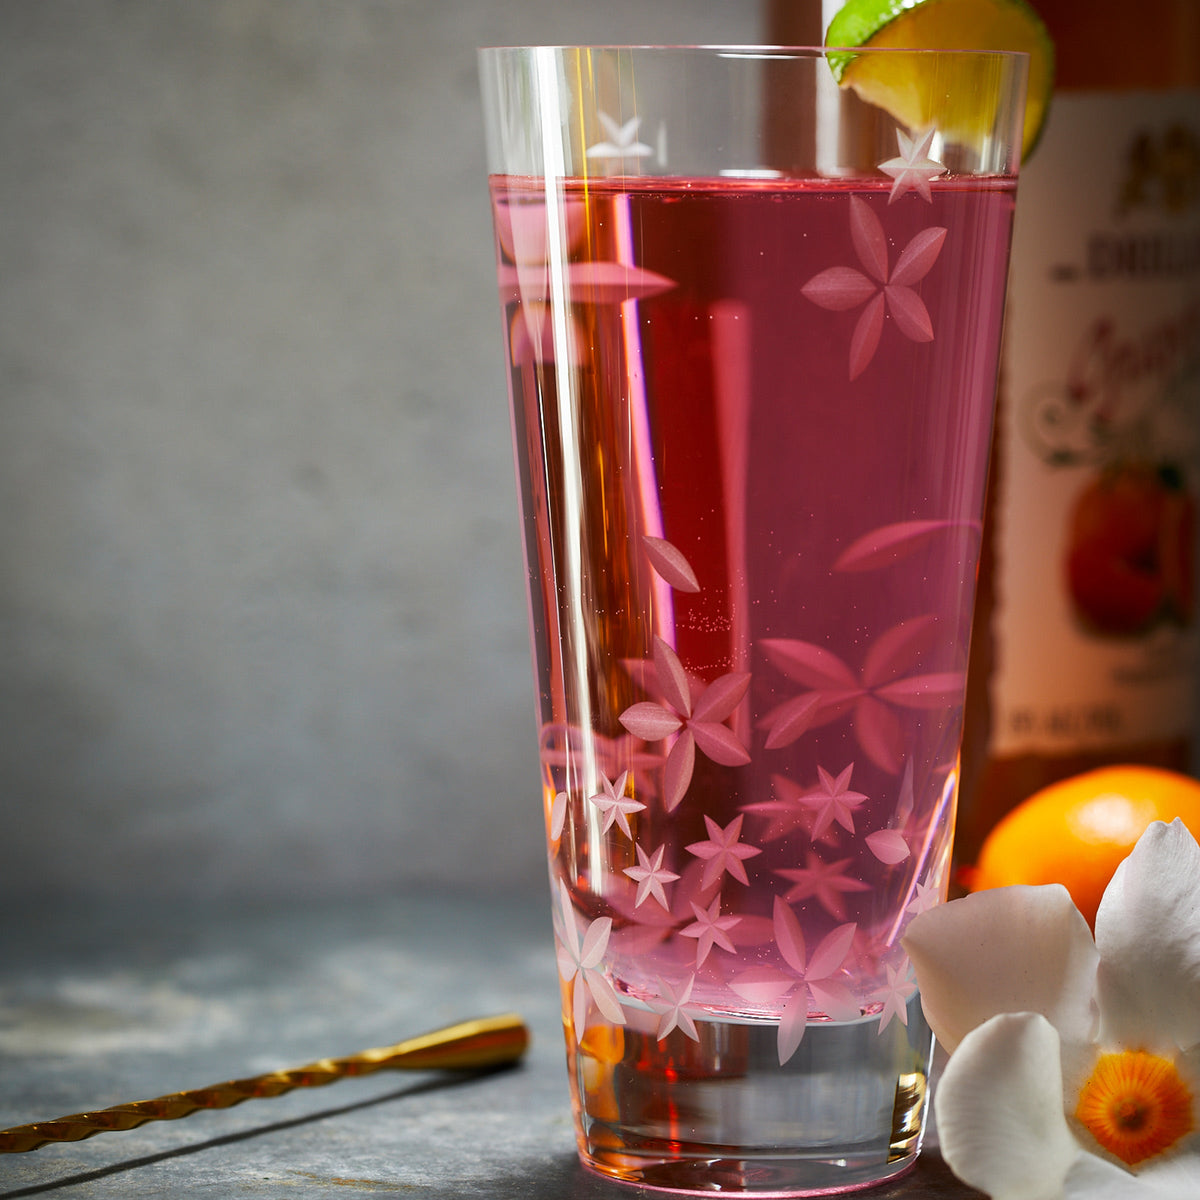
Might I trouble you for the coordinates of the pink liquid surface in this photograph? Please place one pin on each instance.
(751, 422)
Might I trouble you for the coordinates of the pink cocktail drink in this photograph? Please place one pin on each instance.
(773, 551)
(751, 415)
(752, 590)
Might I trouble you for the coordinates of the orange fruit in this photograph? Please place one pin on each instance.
(1077, 831)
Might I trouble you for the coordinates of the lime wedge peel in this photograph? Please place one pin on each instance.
(938, 25)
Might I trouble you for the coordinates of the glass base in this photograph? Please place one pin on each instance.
(720, 1115)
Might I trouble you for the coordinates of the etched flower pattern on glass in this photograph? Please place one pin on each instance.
(681, 887)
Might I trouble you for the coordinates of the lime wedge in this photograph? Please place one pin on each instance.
(892, 84)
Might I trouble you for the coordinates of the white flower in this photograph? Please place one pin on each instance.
(1074, 1065)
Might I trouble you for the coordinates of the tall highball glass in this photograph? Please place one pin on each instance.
(751, 322)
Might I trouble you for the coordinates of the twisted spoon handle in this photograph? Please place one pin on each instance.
(467, 1046)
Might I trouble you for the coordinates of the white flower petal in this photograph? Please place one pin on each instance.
(1016, 949)
(1148, 933)
(999, 1109)
(1176, 1178)
(1093, 1178)
(1188, 1065)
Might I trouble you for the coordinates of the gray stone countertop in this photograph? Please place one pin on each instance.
(100, 1006)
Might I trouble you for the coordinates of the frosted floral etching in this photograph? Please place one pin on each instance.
(524, 237)
(581, 963)
(672, 999)
(710, 929)
(651, 876)
(615, 805)
(621, 140)
(832, 800)
(722, 852)
(880, 289)
(826, 882)
(895, 994)
(693, 717)
(812, 984)
(913, 169)
(869, 697)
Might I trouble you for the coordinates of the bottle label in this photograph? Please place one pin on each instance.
(1094, 626)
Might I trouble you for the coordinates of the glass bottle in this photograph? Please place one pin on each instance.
(1085, 643)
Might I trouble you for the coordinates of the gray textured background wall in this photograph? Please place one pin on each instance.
(261, 621)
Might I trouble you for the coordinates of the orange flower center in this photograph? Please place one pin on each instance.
(1135, 1105)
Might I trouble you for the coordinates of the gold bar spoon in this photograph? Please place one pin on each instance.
(467, 1046)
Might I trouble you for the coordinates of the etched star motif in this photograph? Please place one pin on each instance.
(723, 852)
(650, 875)
(621, 140)
(784, 813)
(927, 895)
(895, 994)
(674, 1016)
(709, 929)
(615, 806)
(826, 882)
(833, 801)
(913, 169)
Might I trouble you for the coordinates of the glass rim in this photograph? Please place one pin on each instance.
(749, 50)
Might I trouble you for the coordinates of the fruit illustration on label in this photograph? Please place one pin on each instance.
(1129, 549)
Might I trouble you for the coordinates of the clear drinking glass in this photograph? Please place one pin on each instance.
(752, 327)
